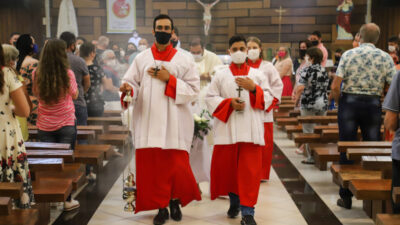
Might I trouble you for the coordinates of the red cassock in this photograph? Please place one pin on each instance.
(162, 173)
(237, 167)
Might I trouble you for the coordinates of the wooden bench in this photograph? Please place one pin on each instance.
(317, 119)
(286, 121)
(387, 219)
(20, 217)
(337, 168)
(46, 145)
(113, 113)
(344, 145)
(106, 149)
(105, 121)
(77, 177)
(296, 112)
(323, 155)
(114, 139)
(90, 157)
(43, 164)
(81, 134)
(355, 154)
(12, 190)
(67, 155)
(291, 129)
(115, 129)
(319, 128)
(5, 206)
(301, 138)
(278, 115)
(346, 177)
(374, 193)
(52, 190)
(286, 107)
(382, 163)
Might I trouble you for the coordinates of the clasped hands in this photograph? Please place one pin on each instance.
(245, 83)
(161, 74)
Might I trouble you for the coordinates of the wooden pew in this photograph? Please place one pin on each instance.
(291, 129)
(81, 134)
(317, 119)
(5, 206)
(21, 216)
(106, 149)
(344, 145)
(105, 121)
(115, 129)
(67, 155)
(387, 219)
(114, 139)
(12, 190)
(112, 113)
(286, 107)
(43, 164)
(52, 190)
(337, 168)
(382, 163)
(323, 155)
(90, 157)
(286, 121)
(355, 154)
(46, 145)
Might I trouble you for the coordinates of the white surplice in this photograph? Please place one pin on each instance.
(275, 82)
(250, 120)
(160, 121)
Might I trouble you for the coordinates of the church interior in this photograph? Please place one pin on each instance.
(178, 96)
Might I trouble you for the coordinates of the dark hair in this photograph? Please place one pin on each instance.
(196, 42)
(51, 80)
(69, 38)
(82, 39)
(315, 54)
(339, 50)
(2, 63)
(160, 17)
(14, 33)
(317, 33)
(237, 38)
(308, 43)
(394, 39)
(85, 49)
(25, 48)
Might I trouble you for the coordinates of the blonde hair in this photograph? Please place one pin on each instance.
(10, 53)
(287, 52)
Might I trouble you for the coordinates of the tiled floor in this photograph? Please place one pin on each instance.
(321, 182)
(275, 207)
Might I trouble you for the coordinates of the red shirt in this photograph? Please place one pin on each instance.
(60, 114)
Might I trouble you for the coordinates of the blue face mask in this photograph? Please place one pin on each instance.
(35, 49)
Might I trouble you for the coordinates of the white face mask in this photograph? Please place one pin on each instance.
(391, 48)
(111, 63)
(142, 48)
(122, 53)
(197, 58)
(15, 64)
(253, 54)
(135, 35)
(239, 57)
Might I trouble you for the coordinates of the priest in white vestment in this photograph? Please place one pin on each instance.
(237, 97)
(164, 83)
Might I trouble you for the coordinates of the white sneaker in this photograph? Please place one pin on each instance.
(91, 176)
(69, 206)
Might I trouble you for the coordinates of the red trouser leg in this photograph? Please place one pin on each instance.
(267, 151)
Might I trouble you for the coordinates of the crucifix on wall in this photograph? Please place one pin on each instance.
(207, 14)
(280, 11)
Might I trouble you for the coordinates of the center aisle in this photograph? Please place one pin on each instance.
(275, 207)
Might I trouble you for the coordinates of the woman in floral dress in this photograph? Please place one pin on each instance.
(26, 65)
(14, 162)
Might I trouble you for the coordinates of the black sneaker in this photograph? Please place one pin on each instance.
(344, 203)
(248, 220)
(161, 217)
(233, 211)
(176, 213)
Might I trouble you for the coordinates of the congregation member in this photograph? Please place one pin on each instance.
(143, 45)
(102, 44)
(79, 42)
(163, 83)
(12, 145)
(205, 61)
(135, 38)
(356, 40)
(284, 65)
(113, 71)
(237, 98)
(393, 44)
(255, 60)
(82, 77)
(392, 107)
(26, 64)
(363, 73)
(316, 40)
(299, 62)
(311, 92)
(55, 87)
(10, 59)
(176, 43)
(13, 38)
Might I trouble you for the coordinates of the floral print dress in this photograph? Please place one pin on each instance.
(14, 161)
(26, 73)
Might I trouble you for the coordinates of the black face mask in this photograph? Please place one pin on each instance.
(174, 43)
(315, 43)
(337, 58)
(302, 53)
(162, 37)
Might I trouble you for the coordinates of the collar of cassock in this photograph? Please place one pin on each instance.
(254, 64)
(165, 55)
(242, 71)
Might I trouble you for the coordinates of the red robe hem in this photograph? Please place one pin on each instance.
(267, 151)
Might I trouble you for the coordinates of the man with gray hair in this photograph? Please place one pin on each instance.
(111, 68)
(363, 72)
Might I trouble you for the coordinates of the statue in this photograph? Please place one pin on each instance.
(207, 14)
(343, 20)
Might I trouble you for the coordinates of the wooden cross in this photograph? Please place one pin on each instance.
(239, 90)
(280, 11)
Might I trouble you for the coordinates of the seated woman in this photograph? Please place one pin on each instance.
(55, 87)
(312, 92)
(98, 82)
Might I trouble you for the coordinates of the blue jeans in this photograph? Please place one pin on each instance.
(81, 114)
(66, 134)
(358, 111)
(234, 200)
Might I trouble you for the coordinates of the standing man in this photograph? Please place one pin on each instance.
(363, 72)
(237, 97)
(205, 60)
(316, 40)
(82, 77)
(392, 107)
(164, 82)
